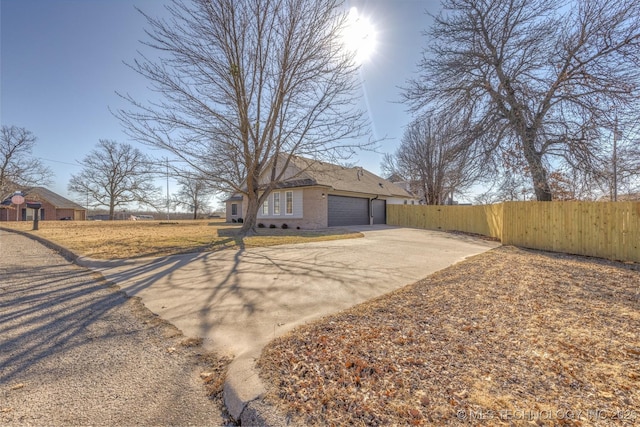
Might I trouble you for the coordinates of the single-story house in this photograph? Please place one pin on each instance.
(316, 194)
(54, 206)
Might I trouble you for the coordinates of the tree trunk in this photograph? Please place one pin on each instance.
(536, 169)
(249, 221)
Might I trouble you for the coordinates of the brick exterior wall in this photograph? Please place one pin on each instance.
(48, 212)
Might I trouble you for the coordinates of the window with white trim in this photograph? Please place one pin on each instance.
(288, 202)
(234, 209)
(276, 203)
(265, 207)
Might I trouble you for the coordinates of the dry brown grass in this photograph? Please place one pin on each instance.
(129, 239)
(509, 337)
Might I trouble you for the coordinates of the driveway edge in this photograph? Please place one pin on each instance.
(243, 392)
(64, 252)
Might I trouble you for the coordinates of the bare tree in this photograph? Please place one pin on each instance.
(114, 175)
(436, 159)
(17, 166)
(195, 192)
(507, 187)
(245, 85)
(620, 168)
(627, 173)
(536, 75)
(509, 182)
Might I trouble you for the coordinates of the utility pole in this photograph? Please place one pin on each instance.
(167, 188)
(615, 160)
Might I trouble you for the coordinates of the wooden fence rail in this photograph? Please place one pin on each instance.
(601, 229)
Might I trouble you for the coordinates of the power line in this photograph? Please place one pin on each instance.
(58, 161)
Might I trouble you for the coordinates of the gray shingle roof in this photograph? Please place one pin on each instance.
(342, 178)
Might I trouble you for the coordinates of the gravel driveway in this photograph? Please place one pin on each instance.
(76, 352)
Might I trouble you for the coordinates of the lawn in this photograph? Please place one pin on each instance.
(128, 239)
(509, 337)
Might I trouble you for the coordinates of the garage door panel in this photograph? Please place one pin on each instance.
(379, 211)
(348, 211)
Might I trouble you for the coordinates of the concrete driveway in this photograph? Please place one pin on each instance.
(238, 300)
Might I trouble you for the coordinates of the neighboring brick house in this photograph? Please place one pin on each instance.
(54, 207)
(316, 194)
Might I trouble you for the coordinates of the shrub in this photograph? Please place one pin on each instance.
(298, 228)
(233, 220)
(240, 220)
(260, 225)
(285, 226)
(272, 226)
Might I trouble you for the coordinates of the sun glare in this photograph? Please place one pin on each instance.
(359, 36)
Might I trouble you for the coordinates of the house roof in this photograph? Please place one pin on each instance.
(56, 200)
(340, 178)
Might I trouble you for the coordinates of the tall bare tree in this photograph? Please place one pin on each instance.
(116, 174)
(620, 168)
(436, 158)
(536, 75)
(17, 166)
(245, 85)
(195, 192)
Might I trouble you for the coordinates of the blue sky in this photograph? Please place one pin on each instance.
(62, 63)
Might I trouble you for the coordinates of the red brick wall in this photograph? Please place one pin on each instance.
(50, 212)
(7, 215)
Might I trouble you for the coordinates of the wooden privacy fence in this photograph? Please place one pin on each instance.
(601, 229)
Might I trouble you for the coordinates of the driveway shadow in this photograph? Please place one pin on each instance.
(44, 310)
(238, 299)
(76, 351)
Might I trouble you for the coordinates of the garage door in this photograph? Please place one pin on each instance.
(379, 208)
(348, 211)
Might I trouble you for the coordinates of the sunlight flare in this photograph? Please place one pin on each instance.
(359, 36)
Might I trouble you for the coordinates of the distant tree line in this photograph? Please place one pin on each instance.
(113, 175)
(116, 175)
